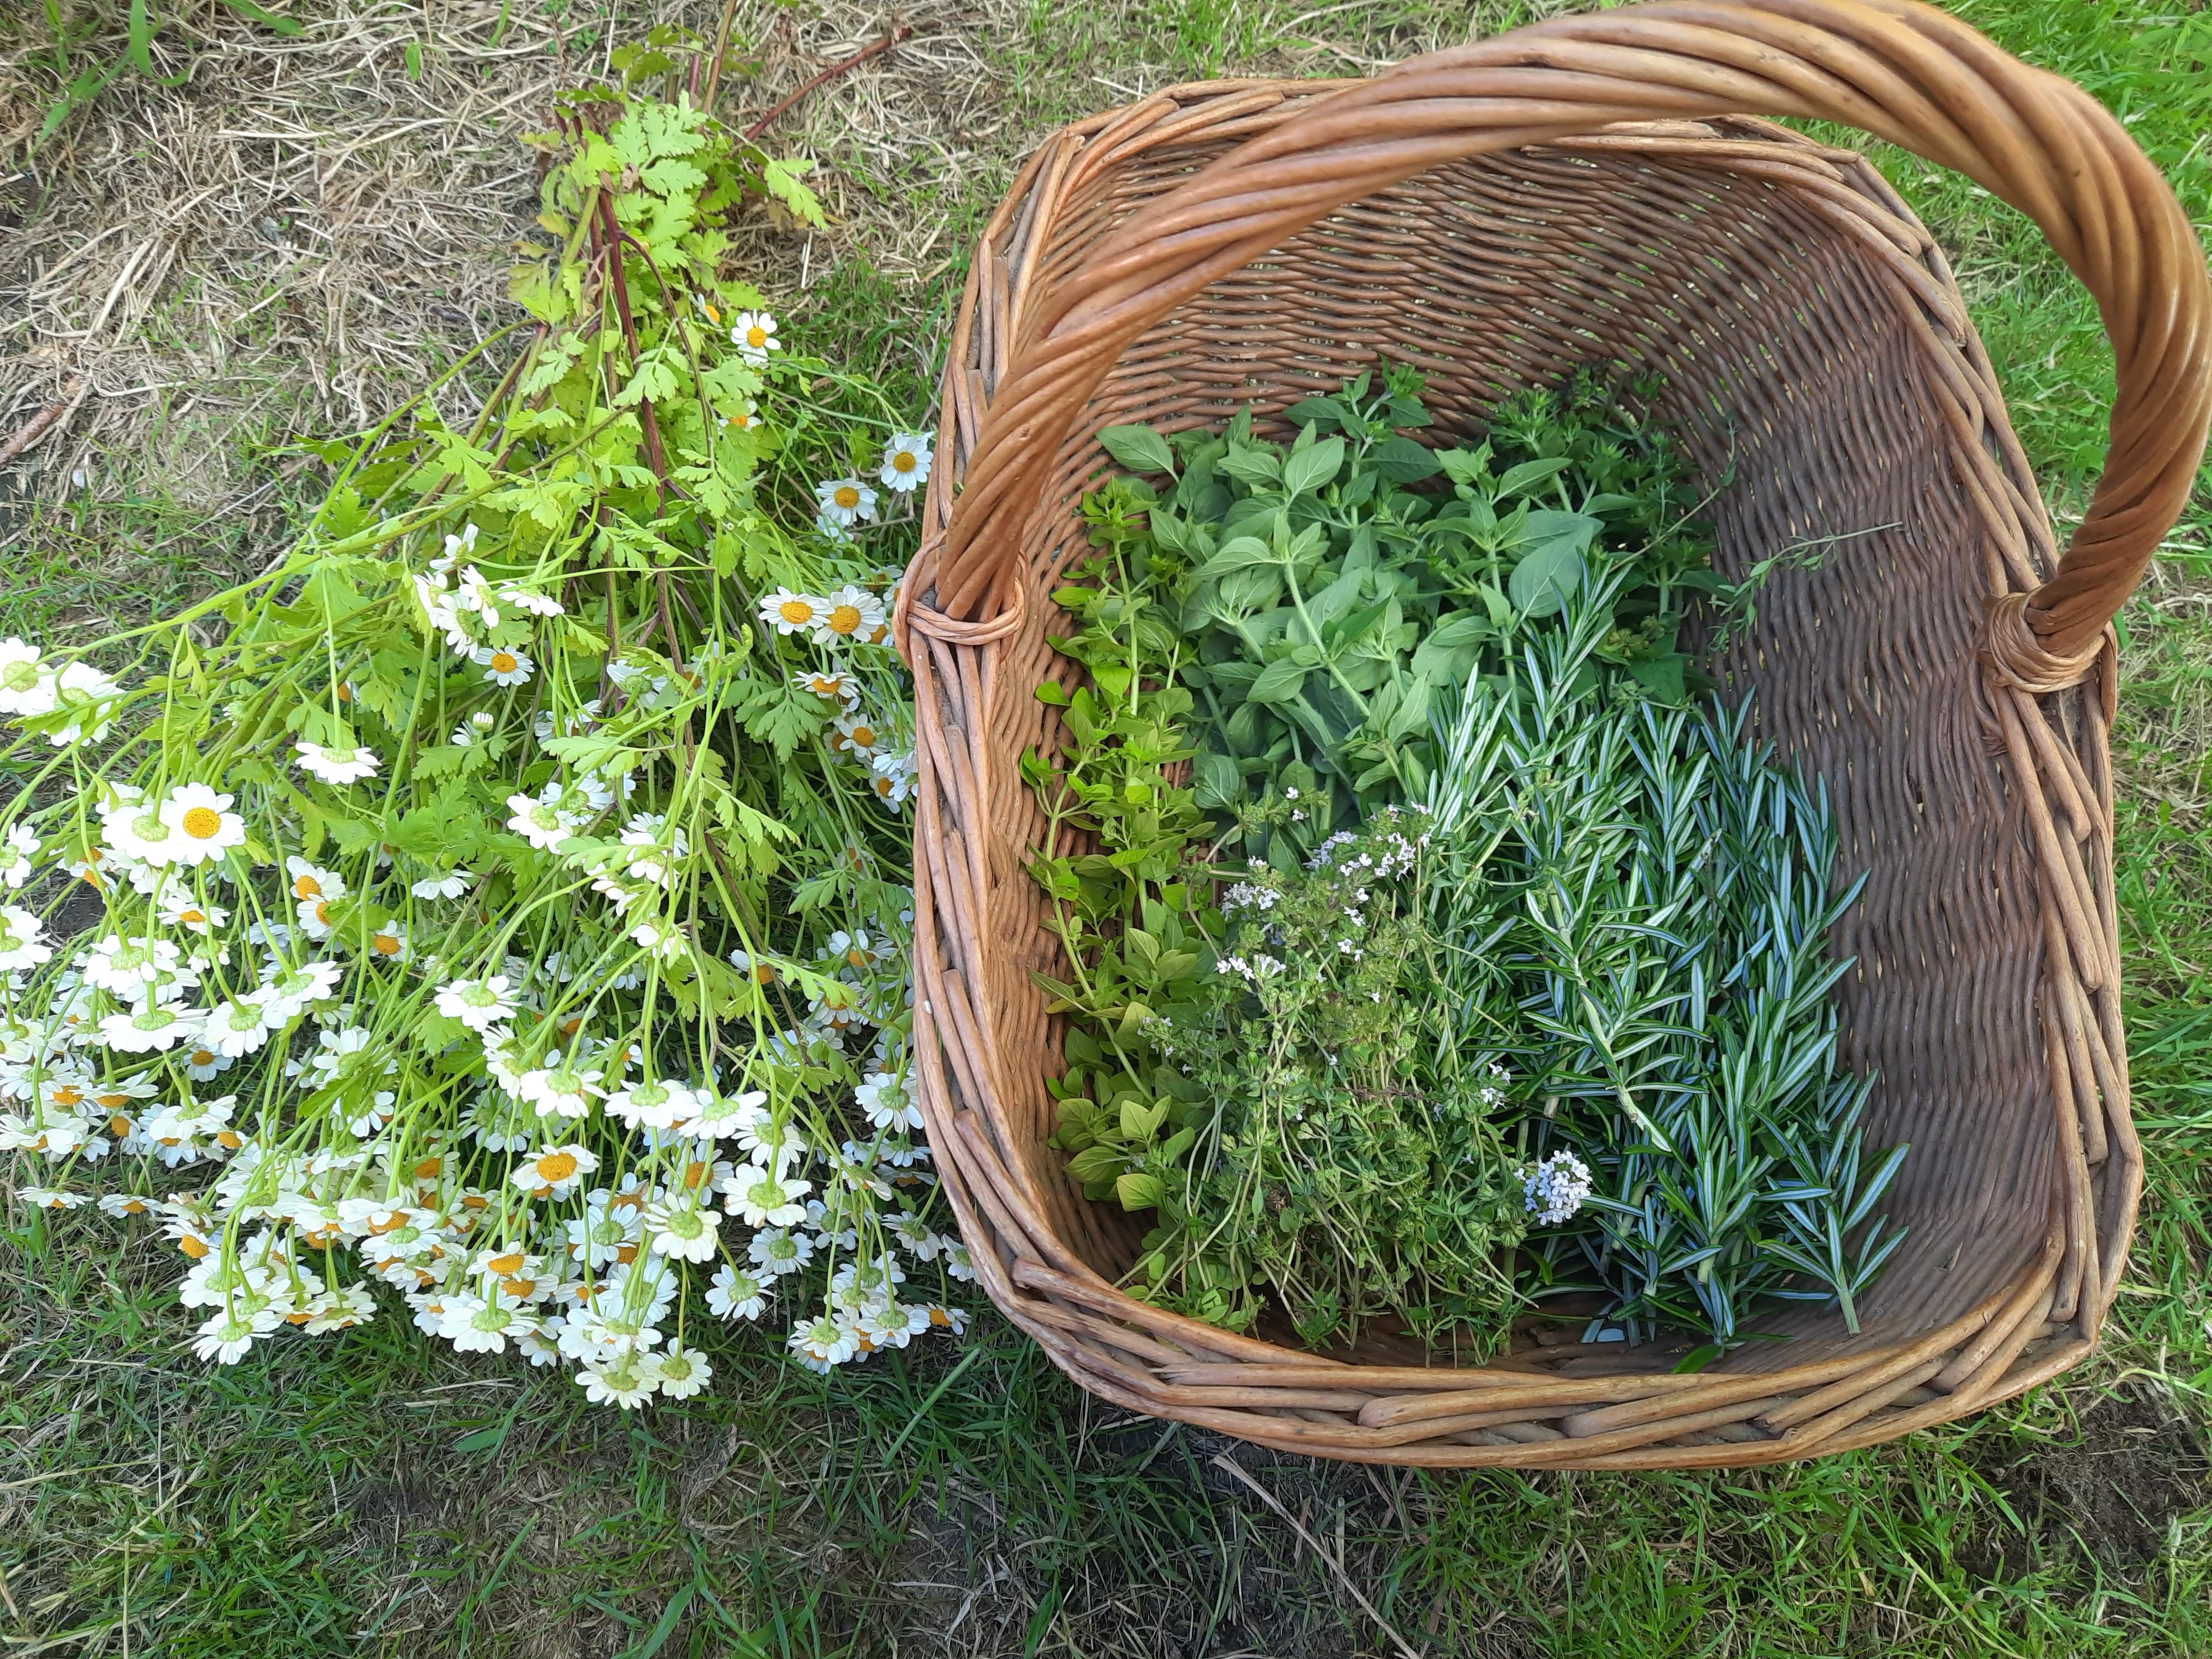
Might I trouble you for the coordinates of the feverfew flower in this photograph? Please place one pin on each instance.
(792, 613)
(857, 733)
(1555, 1188)
(202, 823)
(20, 689)
(761, 1199)
(502, 666)
(893, 778)
(447, 885)
(851, 613)
(683, 1230)
(153, 1028)
(18, 854)
(842, 502)
(538, 821)
(883, 1097)
(907, 460)
(680, 1372)
(20, 933)
(337, 765)
(555, 1170)
(735, 1295)
(478, 1004)
(754, 335)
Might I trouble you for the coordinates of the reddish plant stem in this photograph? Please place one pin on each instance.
(655, 457)
(827, 76)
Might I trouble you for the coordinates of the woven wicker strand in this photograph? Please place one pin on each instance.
(1600, 187)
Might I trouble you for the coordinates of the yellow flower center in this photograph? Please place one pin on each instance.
(845, 619)
(557, 1166)
(756, 337)
(202, 1057)
(133, 1206)
(765, 974)
(203, 824)
(346, 691)
(322, 913)
(796, 611)
(429, 1168)
(307, 887)
(194, 1247)
(904, 461)
(695, 1175)
(386, 945)
(864, 736)
(883, 786)
(503, 662)
(191, 918)
(119, 1126)
(69, 1094)
(847, 497)
(509, 1263)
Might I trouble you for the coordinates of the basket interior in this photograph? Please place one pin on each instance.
(1797, 374)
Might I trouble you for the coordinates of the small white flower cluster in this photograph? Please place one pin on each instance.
(841, 503)
(1251, 896)
(33, 690)
(1555, 1188)
(848, 615)
(1253, 968)
(563, 1209)
(485, 623)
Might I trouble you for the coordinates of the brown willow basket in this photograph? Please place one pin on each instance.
(1590, 187)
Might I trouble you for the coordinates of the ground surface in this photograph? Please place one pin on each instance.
(303, 229)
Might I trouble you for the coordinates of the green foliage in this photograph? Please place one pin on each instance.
(1330, 589)
(1613, 944)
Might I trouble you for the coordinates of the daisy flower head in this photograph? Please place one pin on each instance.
(19, 935)
(625, 1381)
(906, 460)
(523, 598)
(538, 820)
(792, 613)
(852, 613)
(446, 885)
(478, 1004)
(776, 1251)
(21, 692)
(839, 685)
(150, 1028)
(680, 1372)
(204, 1063)
(229, 1332)
(824, 1342)
(856, 732)
(683, 1230)
(762, 1199)
(753, 333)
(388, 939)
(893, 778)
(843, 502)
(18, 854)
(502, 665)
(555, 1170)
(237, 1028)
(735, 1295)
(883, 1096)
(89, 694)
(191, 916)
(310, 881)
(461, 546)
(338, 765)
(652, 1104)
(201, 824)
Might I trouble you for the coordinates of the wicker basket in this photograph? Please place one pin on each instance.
(1497, 214)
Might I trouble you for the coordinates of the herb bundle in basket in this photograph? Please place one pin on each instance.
(1445, 946)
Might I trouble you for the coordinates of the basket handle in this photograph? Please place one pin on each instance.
(1897, 69)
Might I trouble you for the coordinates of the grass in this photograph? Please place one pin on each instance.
(379, 1496)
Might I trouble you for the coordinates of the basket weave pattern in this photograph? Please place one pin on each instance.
(1495, 214)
